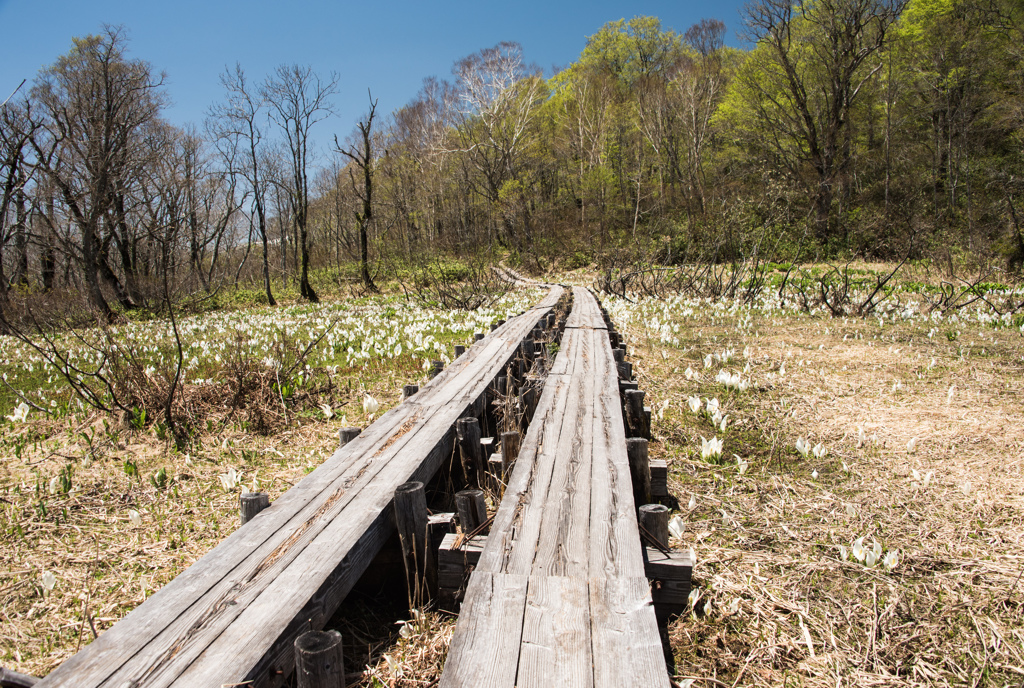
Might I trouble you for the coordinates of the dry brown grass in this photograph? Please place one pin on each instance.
(105, 566)
(785, 609)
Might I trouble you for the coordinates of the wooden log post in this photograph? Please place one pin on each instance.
(467, 430)
(625, 370)
(639, 469)
(510, 443)
(478, 336)
(12, 679)
(409, 390)
(346, 435)
(472, 508)
(619, 355)
(319, 660)
(551, 321)
(251, 503)
(435, 368)
(414, 535)
(459, 350)
(637, 424)
(654, 519)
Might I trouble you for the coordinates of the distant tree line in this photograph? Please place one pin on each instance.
(879, 128)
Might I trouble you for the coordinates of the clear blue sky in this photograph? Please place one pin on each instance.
(388, 46)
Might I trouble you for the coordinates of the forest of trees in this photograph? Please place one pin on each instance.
(874, 128)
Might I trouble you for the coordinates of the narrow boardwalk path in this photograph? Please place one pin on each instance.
(232, 617)
(560, 597)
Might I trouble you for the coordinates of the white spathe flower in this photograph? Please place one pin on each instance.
(850, 510)
(677, 526)
(912, 445)
(803, 447)
(707, 360)
(370, 405)
(48, 580)
(694, 404)
(891, 560)
(712, 405)
(20, 414)
(693, 597)
(710, 448)
(820, 451)
(328, 411)
(662, 408)
(741, 464)
(690, 373)
(814, 474)
(134, 517)
(862, 437)
(693, 503)
(859, 552)
(844, 554)
(231, 479)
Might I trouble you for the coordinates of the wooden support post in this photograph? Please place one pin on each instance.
(472, 508)
(501, 385)
(454, 565)
(496, 470)
(478, 336)
(413, 533)
(467, 431)
(636, 419)
(319, 660)
(670, 575)
(551, 321)
(346, 435)
(459, 350)
(12, 679)
(251, 503)
(494, 326)
(654, 519)
(439, 525)
(619, 355)
(659, 478)
(409, 390)
(639, 469)
(625, 370)
(510, 442)
(435, 368)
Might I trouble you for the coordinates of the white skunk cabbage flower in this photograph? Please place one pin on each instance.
(694, 404)
(370, 405)
(820, 451)
(231, 479)
(677, 526)
(707, 360)
(912, 445)
(844, 554)
(693, 503)
(20, 414)
(891, 560)
(859, 552)
(328, 411)
(134, 517)
(803, 447)
(710, 448)
(741, 464)
(48, 580)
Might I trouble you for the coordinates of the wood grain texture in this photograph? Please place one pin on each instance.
(567, 526)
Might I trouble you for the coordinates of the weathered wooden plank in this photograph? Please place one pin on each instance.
(556, 648)
(624, 634)
(486, 644)
(564, 538)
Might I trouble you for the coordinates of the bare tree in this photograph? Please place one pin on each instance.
(361, 153)
(235, 125)
(298, 99)
(96, 104)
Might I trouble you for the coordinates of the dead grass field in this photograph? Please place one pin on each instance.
(779, 604)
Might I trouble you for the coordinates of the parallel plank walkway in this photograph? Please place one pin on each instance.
(231, 618)
(559, 597)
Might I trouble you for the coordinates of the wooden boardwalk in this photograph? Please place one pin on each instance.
(232, 617)
(560, 596)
